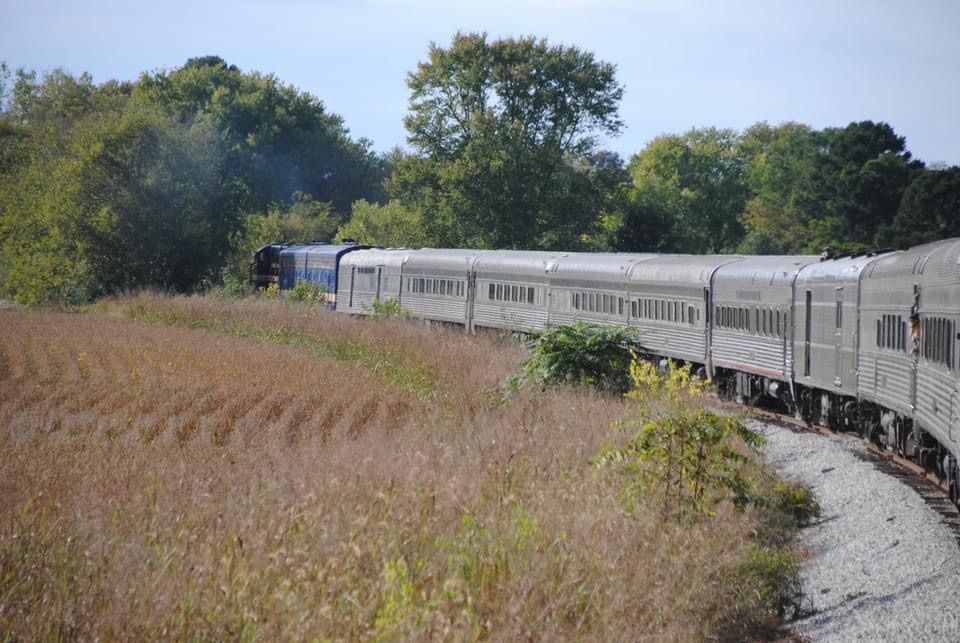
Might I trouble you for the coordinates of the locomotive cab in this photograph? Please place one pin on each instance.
(265, 268)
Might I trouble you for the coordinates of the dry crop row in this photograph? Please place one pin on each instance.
(205, 477)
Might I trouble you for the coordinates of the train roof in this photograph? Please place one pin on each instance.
(601, 265)
(688, 269)
(372, 257)
(320, 249)
(843, 269)
(442, 258)
(517, 261)
(765, 269)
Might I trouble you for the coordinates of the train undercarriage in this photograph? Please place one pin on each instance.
(842, 413)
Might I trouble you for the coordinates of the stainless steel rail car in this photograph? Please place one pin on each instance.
(670, 305)
(826, 340)
(751, 342)
(511, 290)
(909, 384)
(434, 284)
(368, 276)
(592, 287)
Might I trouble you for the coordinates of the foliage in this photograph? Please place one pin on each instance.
(307, 292)
(778, 170)
(698, 179)
(581, 354)
(796, 501)
(127, 185)
(128, 203)
(928, 211)
(687, 456)
(391, 225)
(769, 581)
(278, 140)
(505, 131)
(389, 307)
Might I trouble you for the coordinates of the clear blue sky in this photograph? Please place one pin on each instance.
(684, 63)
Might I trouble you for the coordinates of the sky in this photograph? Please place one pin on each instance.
(683, 63)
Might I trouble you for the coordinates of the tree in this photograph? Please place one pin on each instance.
(691, 184)
(929, 210)
(778, 166)
(278, 140)
(389, 225)
(131, 203)
(504, 131)
(856, 185)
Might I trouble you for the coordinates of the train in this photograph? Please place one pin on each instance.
(863, 342)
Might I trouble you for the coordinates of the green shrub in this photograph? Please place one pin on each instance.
(308, 292)
(581, 354)
(768, 581)
(389, 307)
(687, 455)
(233, 288)
(796, 501)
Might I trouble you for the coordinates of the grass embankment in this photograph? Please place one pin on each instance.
(259, 470)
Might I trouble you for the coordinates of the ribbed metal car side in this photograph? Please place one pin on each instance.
(511, 289)
(753, 317)
(436, 284)
(366, 276)
(888, 292)
(934, 343)
(593, 288)
(827, 324)
(670, 304)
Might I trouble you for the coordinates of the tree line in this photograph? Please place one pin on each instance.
(172, 180)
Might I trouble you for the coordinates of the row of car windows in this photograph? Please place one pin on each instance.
(595, 302)
(664, 310)
(434, 286)
(510, 292)
(767, 322)
(939, 341)
(892, 333)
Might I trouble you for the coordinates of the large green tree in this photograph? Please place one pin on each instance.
(504, 132)
(690, 187)
(278, 140)
(929, 210)
(118, 185)
(857, 182)
(778, 167)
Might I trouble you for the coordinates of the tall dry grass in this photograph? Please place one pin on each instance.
(262, 471)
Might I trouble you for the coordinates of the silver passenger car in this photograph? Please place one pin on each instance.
(753, 319)
(826, 308)
(511, 289)
(592, 287)
(888, 288)
(371, 275)
(670, 304)
(910, 312)
(938, 370)
(435, 284)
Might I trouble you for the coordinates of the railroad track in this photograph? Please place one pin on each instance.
(933, 491)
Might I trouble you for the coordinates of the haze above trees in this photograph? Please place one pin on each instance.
(172, 180)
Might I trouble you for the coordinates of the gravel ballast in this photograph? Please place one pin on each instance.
(881, 565)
